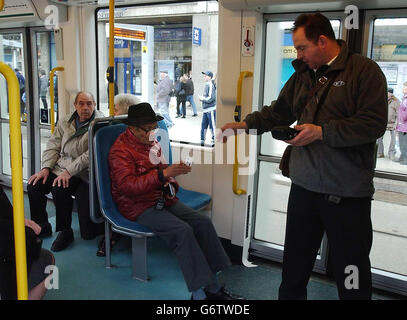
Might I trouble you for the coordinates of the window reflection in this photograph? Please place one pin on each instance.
(389, 50)
(181, 40)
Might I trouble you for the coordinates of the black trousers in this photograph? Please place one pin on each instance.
(349, 230)
(63, 204)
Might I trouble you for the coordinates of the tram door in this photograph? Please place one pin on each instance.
(31, 54)
(272, 190)
(13, 51)
(43, 61)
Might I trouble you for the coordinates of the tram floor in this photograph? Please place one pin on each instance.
(83, 276)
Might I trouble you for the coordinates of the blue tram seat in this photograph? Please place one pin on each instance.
(102, 142)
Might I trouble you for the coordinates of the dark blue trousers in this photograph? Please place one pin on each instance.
(348, 227)
(208, 119)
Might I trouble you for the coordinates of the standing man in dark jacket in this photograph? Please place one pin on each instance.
(332, 159)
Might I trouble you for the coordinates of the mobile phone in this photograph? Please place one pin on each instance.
(188, 161)
(284, 133)
(169, 189)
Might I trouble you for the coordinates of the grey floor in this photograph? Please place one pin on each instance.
(83, 276)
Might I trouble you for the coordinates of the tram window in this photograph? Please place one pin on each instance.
(278, 70)
(389, 50)
(150, 39)
(12, 53)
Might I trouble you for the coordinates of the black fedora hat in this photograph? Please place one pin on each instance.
(140, 114)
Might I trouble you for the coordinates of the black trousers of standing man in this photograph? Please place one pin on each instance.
(63, 204)
(349, 230)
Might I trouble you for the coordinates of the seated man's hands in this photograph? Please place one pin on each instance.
(176, 170)
(36, 228)
(62, 180)
(43, 174)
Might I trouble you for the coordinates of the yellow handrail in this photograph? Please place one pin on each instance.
(243, 74)
(51, 95)
(1, 4)
(111, 57)
(17, 179)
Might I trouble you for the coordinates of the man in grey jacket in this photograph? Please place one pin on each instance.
(64, 173)
(394, 105)
(332, 159)
(164, 88)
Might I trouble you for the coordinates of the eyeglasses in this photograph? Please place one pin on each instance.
(149, 129)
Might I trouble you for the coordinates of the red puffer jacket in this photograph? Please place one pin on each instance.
(134, 176)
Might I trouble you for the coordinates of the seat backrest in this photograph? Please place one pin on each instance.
(164, 140)
(103, 140)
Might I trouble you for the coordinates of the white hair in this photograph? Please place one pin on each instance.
(123, 101)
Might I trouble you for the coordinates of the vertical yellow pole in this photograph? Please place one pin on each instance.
(17, 180)
(243, 74)
(111, 57)
(1, 4)
(51, 95)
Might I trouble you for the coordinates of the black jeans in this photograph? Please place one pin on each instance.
(63, 203)
(349, 230)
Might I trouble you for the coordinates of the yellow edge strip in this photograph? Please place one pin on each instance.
(51, 95)
(17, 179)
(235, 188)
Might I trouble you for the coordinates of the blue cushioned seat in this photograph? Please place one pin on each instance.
(104, 138)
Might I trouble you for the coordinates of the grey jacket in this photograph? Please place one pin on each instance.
(164, 88)
(394, 105)
(67, 149)
(352, 117)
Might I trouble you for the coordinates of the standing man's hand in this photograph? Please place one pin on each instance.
(62, 180)
(308, 133)
(230, 126)
(43, 174)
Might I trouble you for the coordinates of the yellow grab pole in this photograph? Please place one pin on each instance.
(51, 94)
(17, 180)
(111, 58)
(1, 4)
(237, 116)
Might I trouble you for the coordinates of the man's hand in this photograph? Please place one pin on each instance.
(229, 127)
(62, 180)
(176, 170)
(36, 228)
(308, 134)
(43, 174)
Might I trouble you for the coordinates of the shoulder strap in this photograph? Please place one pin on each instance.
(321, 83)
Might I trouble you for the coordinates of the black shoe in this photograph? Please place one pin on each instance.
(102, 244)
(222, 294)
(63, 240)
(184, 116)
(46, 230)
(177, 116)
(194, 115)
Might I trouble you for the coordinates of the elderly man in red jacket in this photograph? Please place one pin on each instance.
(144, 189)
